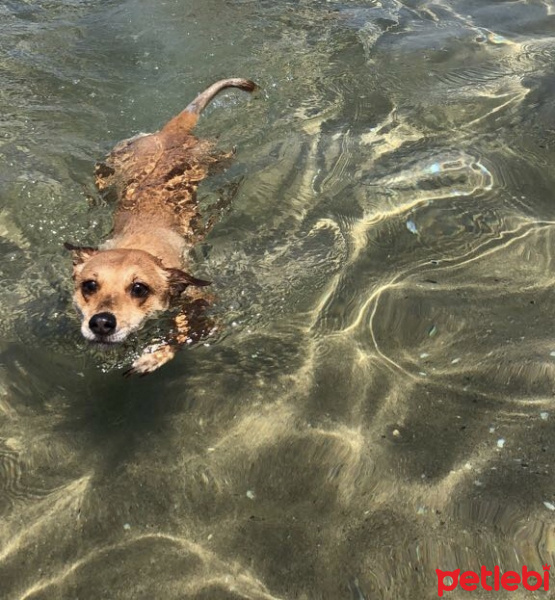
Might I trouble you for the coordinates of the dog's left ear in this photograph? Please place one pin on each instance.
(179, 281)
(80, 253)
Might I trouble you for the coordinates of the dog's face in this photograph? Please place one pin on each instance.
(117, 290)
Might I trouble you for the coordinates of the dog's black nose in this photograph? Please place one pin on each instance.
(102, 323)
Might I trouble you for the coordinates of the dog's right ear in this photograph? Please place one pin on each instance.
(80, 253)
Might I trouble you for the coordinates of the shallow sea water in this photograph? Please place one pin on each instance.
(380, 401)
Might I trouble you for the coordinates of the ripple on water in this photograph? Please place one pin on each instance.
(152, 564)
(422, 322)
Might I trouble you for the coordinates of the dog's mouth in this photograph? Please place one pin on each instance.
(104, 341)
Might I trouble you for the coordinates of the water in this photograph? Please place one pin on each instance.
(379, 403)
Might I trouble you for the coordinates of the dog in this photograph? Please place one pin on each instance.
(141, 269)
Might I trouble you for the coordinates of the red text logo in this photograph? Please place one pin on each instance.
(447, 581)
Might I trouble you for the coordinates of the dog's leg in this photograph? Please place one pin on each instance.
(152, 358)
(189, 326)
(156, 355)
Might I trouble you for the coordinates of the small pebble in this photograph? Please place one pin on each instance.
(544, 416)
(500, 443)
(411, 226)
(127, 527)
(250, 495)
(435, 168)
(549, 505)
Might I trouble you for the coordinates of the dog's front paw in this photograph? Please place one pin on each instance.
(152, 358)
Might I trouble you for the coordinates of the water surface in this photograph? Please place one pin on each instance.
(379, 402)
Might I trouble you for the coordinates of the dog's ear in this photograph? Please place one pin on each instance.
(179, 281)
(80, 253)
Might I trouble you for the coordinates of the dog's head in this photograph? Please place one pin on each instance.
(117, 290)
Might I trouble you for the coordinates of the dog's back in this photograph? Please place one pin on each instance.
(160, 172)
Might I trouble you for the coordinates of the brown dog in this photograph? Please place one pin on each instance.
(139, 270)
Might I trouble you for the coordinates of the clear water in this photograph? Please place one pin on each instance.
(381, 400)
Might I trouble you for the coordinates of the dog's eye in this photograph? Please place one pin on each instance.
(140, 290)
(89, 287)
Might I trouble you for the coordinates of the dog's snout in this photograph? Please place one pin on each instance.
(103, 323)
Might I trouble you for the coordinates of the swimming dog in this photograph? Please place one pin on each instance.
(140, 270)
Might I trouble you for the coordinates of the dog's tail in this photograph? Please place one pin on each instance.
(184, 122)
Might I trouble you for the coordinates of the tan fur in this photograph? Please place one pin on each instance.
(155, 178)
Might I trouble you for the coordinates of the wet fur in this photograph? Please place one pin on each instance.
(155, 178)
